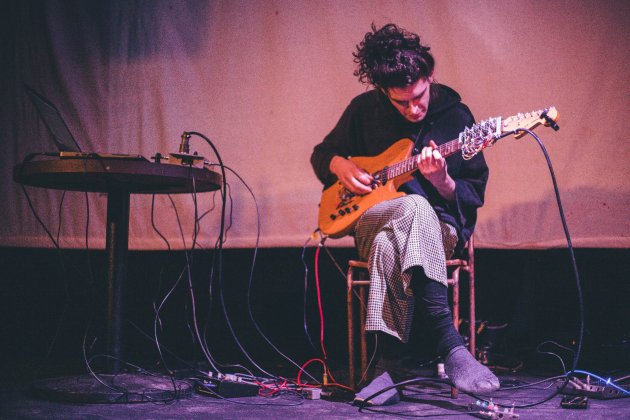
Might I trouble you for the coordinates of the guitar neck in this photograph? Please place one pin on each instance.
(472, 140)
(411, 163)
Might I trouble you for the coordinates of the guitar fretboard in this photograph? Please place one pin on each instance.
(411, 163)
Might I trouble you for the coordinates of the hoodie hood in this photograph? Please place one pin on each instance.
(442, 98)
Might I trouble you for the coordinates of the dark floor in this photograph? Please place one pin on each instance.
(51, 316)
(427, 399)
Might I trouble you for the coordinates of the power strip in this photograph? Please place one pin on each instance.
(602, 392)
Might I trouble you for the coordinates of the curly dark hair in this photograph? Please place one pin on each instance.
(392, 57)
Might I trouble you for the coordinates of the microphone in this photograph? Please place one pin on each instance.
(184, 146)
(183, 156)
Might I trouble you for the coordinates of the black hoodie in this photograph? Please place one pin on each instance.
(370, 124)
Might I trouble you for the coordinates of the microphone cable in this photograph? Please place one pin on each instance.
(219, 248)
(576, 275)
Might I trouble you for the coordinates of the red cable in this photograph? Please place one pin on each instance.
(319, 302)
(272, 389)
(299, 375)
(321, 332)
(327, 371)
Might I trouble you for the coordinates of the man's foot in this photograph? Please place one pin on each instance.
(467, 374)
(388, 397)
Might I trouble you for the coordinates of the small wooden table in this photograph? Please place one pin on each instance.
(118, 178)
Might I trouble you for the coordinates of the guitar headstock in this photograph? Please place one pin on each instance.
(529, 121)
(486, 133)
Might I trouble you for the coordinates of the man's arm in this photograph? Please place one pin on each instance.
(433, 167)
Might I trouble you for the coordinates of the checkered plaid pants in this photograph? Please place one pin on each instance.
(394, 236)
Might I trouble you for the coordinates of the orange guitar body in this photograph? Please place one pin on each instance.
(339, 211)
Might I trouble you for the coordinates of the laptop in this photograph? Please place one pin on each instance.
(63, 138)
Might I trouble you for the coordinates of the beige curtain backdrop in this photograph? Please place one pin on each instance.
(267, 80)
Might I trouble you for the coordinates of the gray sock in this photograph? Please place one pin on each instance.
(467, 374)
(386, 398)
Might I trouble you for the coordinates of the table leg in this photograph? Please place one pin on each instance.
(117, 243)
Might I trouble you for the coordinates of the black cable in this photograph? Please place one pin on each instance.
(539, 351)
(203, 342)
(187, 269)
(39, 220)
(575, 273)
(531, 384)
(203, 338)
(179, 223)
(215, 394)
(64, 270)
(205, 213)
(230, 213)
(125, 393)
(157, 320)
(567, 376)
(220, 239)
(201, 373)
(168, 245)
(304, 306)
(88, 361)
(250, 283)
(87, 243)
(366, 401)
(361, 302)
(56, 245)
(219, 248)
(157, 308)
(211, 282)
(166, 349)
(59, 215)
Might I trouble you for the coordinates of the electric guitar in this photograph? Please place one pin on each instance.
(339, 208)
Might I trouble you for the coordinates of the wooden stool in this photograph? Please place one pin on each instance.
(358, 281)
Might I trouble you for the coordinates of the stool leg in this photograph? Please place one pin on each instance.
(362, 330)
(455, 280)
(350, 311)
(473, 328)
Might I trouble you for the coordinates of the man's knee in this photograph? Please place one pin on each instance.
(415, 205)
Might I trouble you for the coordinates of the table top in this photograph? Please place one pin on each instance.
(116, 175)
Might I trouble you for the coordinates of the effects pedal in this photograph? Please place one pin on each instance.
(228, 386)
(489, 410)
(574, 401)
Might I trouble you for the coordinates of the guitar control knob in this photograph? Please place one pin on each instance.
(341, 212)
(348, 209)
(355, 207)
(333, 217)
